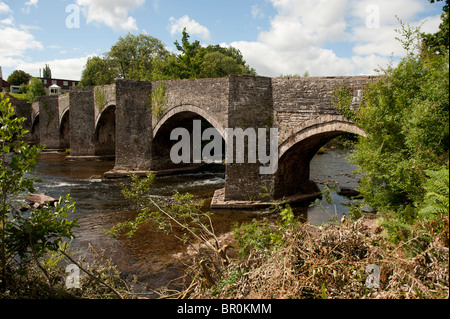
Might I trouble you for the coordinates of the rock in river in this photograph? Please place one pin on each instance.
(39, 200)
(348, 192)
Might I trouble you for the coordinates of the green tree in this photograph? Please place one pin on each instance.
(28, 236)
(98, 71)
(136, 56)
(405, 116)
(216, 64)
(238, 61)
(195, 61)
(35, 90)
(187, 64)
(46, 72)
(145, 58)
(439, 41)
(19, 77)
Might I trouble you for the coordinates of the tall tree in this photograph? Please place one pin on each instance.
(47, 72)
(187, 64)
(135, 56)
(195, 61)
(98, 71)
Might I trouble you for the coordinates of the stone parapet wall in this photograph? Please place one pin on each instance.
(297, 100)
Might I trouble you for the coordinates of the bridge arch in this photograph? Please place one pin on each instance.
(105, 131)
(189, 108)
(64, 129)
(182, 116)
(297, 151)
(63, 113)
(35, 132)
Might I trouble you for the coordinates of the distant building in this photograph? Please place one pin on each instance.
(15, 89)
(65, 85)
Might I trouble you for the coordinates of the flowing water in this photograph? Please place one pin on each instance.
(151, 255)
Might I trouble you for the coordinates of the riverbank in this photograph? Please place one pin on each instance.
(348, 260)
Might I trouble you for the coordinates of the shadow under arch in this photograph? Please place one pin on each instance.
(180, 117)
(105, 132)
(35, 131)
(297, 151)
(190, 109)
(64, 129)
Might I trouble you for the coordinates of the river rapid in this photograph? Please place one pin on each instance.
(151, 255)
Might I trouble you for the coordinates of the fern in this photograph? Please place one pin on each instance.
(437, 194)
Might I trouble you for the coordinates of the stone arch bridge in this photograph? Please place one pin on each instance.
(131, 122)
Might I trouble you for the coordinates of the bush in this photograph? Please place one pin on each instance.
(405, 117)
(264, 235)
(35, 90)
(24, 238)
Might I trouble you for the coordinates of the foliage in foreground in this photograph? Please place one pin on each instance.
(34, 244)
(282, 257)
(331, 261)
(405, 116)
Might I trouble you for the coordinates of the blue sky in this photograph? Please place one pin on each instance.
(323, 37)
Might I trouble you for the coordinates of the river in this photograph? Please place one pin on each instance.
(152, 255)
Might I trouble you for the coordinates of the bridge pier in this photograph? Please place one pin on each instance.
(133, 128)
(250, 106)
(82, 123)
(92, 123)
(50, 112)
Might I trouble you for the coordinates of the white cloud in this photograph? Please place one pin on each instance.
(379, 41)
(367, 64)
(28, 5)
(156, 5)
(192, 27)
(32, 3)
(4, 8)
(256, 12)
(301, 30)
(112, 13)
(294, 43)
(388, 10)
(15, 42)
(7, 21)
(270, 61)
(61, 68)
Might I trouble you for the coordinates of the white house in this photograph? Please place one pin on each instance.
(54, 90)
